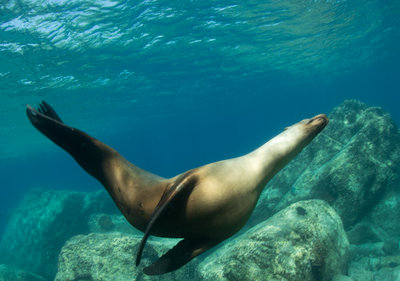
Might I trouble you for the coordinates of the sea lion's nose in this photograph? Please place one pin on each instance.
(320, 117)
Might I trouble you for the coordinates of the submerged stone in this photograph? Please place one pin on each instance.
(363, 232)
(341, 277)
(352, 165)
(310, 246)
(111, 256)
(103, 223)
(42, 223)
(384, 268)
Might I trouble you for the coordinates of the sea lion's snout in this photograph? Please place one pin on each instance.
(320, 121)
(322, 118)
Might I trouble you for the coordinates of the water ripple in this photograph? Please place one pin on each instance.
(159, 47)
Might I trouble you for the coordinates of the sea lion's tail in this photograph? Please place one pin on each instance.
(87, 151)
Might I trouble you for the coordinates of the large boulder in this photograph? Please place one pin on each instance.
(111, 256)
(352, 164)
(42, 223)
(304, 242)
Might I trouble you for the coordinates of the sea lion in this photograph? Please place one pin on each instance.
(204, 205)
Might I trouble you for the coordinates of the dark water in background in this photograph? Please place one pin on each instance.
(176, 84)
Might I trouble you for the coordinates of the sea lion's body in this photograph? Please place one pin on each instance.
(207, 207)
(204, 205)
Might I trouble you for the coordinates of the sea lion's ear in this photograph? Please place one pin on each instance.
(181, 254)
(183, 183)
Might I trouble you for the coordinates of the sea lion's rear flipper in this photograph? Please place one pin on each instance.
(184, 183)
(182, 253)
(47, 110)
(87, 151)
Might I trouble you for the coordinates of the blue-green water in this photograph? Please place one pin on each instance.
(177, 84)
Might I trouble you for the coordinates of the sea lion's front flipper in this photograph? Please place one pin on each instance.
(181, 254)
(184, 183)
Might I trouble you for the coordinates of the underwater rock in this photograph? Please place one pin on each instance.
(351, 165)
(385, 215)
(42, 223)
(358, 252)
(304, 242)
(388, 274)
(111, 256)
(341, 278)
(364, 232)
(8, 273)
(359, 274)
(384, 268)
(102, 223)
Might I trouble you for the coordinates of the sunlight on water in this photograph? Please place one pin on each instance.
(140, 50)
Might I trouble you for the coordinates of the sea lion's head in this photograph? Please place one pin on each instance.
(303, 132)
(311, 126)
(315, 124)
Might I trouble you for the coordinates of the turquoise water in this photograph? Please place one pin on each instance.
(176, 84)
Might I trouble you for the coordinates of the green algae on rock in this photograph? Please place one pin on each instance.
(42, 223)
(103, 223)
(110, 256)
(351, 165)
(309, 245)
